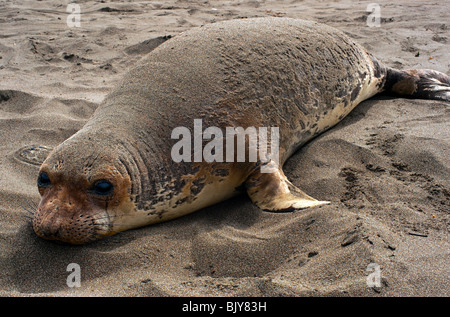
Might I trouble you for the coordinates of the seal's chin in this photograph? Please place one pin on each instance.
(73, 228)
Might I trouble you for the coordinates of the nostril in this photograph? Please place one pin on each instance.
(48, 225)
(50, 231)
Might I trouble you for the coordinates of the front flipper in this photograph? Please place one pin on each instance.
(274, 192)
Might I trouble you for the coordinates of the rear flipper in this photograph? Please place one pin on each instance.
(274, 192)
(418, 83)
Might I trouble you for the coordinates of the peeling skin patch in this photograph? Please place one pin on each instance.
(355, 93)
(221, 172)
(298, 76)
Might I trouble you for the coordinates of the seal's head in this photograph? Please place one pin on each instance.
(83, 190)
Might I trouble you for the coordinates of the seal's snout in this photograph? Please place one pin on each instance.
(63, 215)
(52, 222)
(48, 229)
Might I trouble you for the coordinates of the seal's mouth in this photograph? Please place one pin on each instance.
(70, 227)
(74, 230)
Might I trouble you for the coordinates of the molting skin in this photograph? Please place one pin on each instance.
(302, 77)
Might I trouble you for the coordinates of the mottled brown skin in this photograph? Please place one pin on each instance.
(300, 76)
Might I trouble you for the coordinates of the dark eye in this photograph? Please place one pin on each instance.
(103, 188)
(43, 180)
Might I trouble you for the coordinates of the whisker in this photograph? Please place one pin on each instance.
(28, 217)
(30, 208)
(96, 236)
(115, 225)
(101, 218)
(32, 205)
(29, 211)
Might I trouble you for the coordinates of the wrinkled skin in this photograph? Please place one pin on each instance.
(117, 172)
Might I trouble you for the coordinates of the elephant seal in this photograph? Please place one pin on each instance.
(118, 171)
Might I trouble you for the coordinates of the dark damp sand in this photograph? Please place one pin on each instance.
(384, 168)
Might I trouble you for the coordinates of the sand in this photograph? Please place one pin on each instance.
(384, 168)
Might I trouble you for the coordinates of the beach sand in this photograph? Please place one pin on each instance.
(384, 168)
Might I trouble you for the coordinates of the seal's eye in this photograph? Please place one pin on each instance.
(103, 188)
(43, 180)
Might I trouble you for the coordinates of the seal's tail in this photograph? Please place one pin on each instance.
(418, 83)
